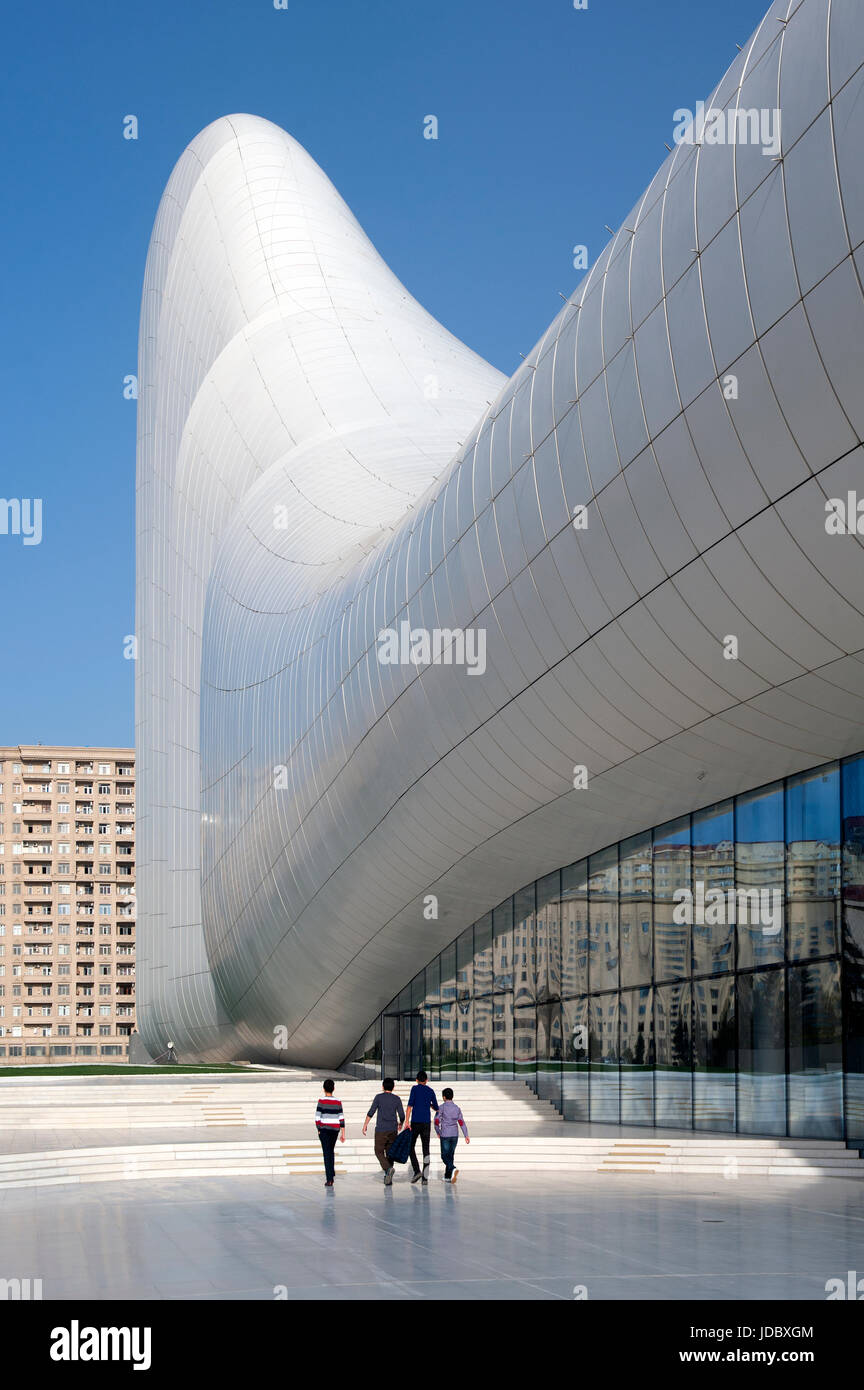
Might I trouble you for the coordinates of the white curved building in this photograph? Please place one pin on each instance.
(321, 463)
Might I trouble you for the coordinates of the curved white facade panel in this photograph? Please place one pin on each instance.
(320, 462)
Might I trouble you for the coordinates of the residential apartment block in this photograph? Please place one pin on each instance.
(67, 904)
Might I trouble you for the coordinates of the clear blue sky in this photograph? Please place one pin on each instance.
(552, 122)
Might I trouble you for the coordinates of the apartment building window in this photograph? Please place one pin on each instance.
(63, 1032)
(63, 767)
(104, 1031)
(63, 789)
(104, 788)
(62, 868)
(105, 869)
(104, 769)
(104, 808)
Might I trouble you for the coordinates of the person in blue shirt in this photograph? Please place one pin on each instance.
(418, 1118)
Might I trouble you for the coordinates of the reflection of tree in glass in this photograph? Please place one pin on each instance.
(681, 1044)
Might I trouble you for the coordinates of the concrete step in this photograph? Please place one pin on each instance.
(162, 1162)
(506, 1104)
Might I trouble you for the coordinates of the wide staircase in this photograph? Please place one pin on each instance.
(235, 1102)
(257, 1126)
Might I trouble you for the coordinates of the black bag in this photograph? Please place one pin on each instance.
(400, 1148)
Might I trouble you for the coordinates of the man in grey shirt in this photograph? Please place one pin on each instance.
(390, 1115)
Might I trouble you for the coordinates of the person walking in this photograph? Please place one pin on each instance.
(448, 1123)
(330, 1122)
(390, 1114)
(418, 1118)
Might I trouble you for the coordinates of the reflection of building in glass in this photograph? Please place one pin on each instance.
(696, 1028)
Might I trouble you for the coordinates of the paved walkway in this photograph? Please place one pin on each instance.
(502, 1236)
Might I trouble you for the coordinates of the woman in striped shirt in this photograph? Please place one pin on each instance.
(330, 1122)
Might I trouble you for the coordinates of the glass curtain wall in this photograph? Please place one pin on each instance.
(707, 974)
